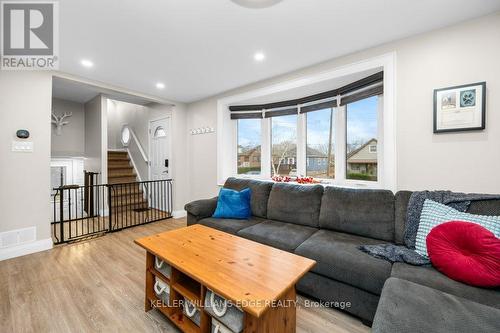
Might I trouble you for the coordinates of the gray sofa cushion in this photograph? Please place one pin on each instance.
(480, 207)
(282, 235)
(191, 219)
(260, 193)
(297, 204)
(201, 208)
(338, 258)
(362, 303)
(401, 206)
(367, 213)
(409, 307)
(485, 207)
(430, 277)
(231, 226)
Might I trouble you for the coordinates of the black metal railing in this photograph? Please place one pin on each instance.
(90, 179)
(139, 203)
(81, 212)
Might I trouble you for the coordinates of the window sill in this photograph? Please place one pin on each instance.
(354, 184)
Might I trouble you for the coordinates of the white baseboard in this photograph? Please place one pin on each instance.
(176, 214)
(117, 149)
(26, 248)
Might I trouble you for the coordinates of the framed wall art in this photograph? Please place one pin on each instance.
(460, 108)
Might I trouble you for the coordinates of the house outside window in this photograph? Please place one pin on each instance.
(249, 137)
(361, 139)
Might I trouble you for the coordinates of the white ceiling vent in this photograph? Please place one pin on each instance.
(256, 3)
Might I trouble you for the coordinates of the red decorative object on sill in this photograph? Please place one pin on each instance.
(306, 180)
(300, 180)
(281, 179)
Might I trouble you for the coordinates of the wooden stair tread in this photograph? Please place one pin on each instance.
(125, 198)
(118, 158)
(131, 201)
(119, 180)
(119, 166)
(118, 161)
(120, 192)
(116, 174)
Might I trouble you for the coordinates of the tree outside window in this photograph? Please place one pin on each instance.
(284, 145)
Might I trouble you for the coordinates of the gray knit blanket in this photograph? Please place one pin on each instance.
(406, 253)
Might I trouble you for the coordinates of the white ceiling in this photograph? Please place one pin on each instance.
(200, 48)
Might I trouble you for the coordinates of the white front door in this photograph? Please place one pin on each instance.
(160, 149)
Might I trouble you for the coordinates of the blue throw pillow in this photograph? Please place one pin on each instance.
(233, 204)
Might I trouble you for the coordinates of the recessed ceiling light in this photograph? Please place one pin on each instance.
(87, 63)
(256, 3)
(259, 56)
(160, 85)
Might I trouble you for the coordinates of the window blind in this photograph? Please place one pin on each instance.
(369, 86)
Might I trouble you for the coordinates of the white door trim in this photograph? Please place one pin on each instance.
(171, 168)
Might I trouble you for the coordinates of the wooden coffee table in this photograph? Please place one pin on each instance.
(258, 278)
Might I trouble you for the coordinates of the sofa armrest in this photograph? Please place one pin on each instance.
(202, 208)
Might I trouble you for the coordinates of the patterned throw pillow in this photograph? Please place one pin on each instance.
(434, 213)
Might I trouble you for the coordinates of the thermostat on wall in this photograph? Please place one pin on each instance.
(23, 134)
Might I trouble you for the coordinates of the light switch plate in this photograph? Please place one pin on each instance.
(22, 146)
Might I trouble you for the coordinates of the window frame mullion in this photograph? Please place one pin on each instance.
(301, 143)
(340, 145)
(265, 148)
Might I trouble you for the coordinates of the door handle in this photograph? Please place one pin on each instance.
(166, 163)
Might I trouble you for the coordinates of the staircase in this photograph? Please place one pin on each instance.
(126, 197)
(119, 168)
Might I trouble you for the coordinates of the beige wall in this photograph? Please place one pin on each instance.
(72, 140)
(121, 113)
(95, 144)
(25, 103)
(202, 150)
(465, 53)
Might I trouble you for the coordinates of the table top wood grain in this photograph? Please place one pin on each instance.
(248, 273)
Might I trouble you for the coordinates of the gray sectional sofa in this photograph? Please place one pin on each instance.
(327, 224)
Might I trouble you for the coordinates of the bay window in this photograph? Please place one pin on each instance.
(335, 136)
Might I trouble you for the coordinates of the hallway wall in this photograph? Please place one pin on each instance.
(72, 140)
(25, 103)
(96, 152)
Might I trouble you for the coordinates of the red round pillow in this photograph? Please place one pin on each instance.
(466, 252)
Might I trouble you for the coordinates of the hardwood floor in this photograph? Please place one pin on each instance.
(98, 286)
